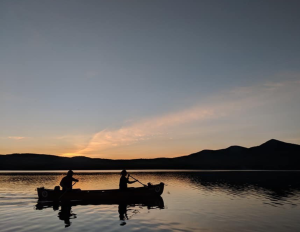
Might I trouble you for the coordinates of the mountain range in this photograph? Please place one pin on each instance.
(272, 155)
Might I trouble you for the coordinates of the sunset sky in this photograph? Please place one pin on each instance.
(143, 79)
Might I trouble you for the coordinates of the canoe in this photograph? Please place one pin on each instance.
(109, 194)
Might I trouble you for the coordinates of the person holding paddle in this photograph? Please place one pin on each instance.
(66, 182)
(125, 180)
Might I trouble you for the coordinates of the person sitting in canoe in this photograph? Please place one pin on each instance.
(125, 180)
(66, 182)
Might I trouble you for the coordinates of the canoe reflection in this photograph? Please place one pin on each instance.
(66, 214)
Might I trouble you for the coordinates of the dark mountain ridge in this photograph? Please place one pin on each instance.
(272, 155)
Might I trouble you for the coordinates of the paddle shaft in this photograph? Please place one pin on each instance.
(66, 191)
(137, 180)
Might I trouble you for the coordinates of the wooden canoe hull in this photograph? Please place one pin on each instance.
(78, 194)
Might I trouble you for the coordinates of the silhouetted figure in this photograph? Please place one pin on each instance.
(123, 213)
(125, 180)
(66, 182)
(66, 214)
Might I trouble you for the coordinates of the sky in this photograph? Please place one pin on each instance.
(143, 79)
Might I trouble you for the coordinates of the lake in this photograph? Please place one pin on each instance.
(192, 201)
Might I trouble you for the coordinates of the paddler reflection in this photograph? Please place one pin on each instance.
(122, 209)
(65, 214)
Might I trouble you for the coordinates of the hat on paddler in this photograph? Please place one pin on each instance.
(124, 172)
(70, 173)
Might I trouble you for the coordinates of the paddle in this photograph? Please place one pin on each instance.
(66, 191)
(137, 180)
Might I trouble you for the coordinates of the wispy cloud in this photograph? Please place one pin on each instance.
(226, 105)
(16, 137)
(144, 130)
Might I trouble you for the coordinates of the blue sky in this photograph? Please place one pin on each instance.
(125, 79)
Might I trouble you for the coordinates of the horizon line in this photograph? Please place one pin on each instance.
(149, 158)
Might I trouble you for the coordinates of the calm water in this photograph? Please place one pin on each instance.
(193, 201)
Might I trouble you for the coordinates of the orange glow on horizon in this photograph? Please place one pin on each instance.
(70, 155)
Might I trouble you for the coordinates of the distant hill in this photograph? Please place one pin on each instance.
(272, 155)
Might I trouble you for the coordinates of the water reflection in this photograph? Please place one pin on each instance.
(66, 214)
(123, 209)
(194, 201)
(274, 185)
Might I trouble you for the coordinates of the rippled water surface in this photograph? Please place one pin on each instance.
(193, 201)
